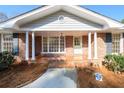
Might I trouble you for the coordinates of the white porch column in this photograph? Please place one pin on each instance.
(95, 45)
(33, 46)
(121, 43)
(27, 47)
(89, 45)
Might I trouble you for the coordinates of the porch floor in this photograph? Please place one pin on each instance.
(59, 63)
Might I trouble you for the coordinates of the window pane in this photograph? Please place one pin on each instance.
(54, 44)
(7, 42)
(77, 41)
(115, 43)
(45, 44)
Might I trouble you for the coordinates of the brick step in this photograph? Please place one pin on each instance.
(75, 61)
(80, 64)
(60, 64)
(77, 57)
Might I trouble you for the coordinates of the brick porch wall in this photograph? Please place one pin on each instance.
(22, 45)
(30, 46)
(69, 48)
(85, 48)
(38, 45)
(101, 46)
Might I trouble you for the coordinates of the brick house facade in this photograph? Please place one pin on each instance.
(66, 33)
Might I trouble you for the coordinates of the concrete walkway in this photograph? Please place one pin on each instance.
(56, 78)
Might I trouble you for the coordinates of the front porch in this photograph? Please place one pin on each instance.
(66, 52)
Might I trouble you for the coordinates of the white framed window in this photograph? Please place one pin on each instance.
(53, 44)
(6, 42)
(116, 43)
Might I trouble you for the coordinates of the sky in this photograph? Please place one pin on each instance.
(113, 11)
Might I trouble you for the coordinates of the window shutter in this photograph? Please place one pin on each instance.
(108, 43)
(15, 44)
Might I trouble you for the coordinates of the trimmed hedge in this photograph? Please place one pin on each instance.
(114, 62)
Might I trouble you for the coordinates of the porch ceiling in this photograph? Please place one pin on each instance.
(74, 32)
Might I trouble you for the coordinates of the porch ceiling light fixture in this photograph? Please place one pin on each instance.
(61, 35)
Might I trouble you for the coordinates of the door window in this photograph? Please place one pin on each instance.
(77, 42)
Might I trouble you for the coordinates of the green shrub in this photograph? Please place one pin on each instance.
(114, 62)
(6, 58)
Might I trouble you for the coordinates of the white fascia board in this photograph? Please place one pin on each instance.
(51, 30)
(93, 16)
(81, 12)
(28, 16)
(122, 27)
(38, 14)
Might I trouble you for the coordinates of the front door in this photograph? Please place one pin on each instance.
(77, 42)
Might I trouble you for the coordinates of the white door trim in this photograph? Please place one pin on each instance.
(81, 49)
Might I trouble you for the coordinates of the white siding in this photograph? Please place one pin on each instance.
(70, 22)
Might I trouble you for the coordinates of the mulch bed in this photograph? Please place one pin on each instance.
(19, 74)
(86, 78)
